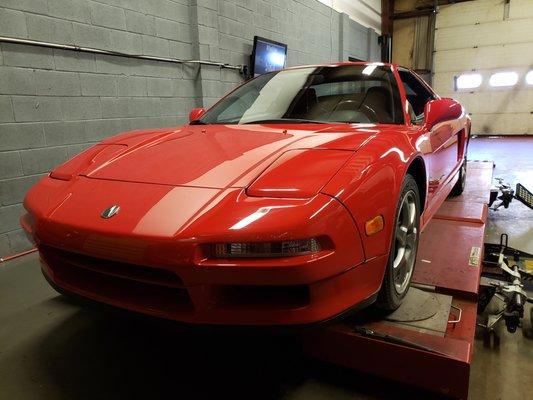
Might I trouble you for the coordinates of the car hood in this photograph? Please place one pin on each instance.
(217, 156)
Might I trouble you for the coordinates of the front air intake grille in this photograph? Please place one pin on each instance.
(132, 286)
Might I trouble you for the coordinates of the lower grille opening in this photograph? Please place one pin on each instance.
(157, 276)
(147, 296)
(262, 297)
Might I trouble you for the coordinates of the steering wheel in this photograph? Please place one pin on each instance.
(368, 110)
(348, 111)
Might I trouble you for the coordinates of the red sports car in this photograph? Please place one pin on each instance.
(297, 197)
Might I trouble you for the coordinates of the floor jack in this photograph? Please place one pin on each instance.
(506, 271)
(504, 276)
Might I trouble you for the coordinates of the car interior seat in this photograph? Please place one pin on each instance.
(306, 101)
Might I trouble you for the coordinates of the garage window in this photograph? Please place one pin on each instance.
(529, 78)
(501, 79)
(468, 81)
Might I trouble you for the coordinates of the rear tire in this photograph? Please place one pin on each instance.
(459, 186)
(403, 249)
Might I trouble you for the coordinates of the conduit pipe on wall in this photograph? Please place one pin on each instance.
(29, 42)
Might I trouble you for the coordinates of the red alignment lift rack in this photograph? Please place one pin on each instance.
(448, 262)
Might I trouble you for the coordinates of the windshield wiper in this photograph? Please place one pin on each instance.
(197, 122)
(286, 121)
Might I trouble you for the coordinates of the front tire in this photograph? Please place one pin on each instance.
(404, 247)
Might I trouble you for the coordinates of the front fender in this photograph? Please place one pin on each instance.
(369, 185)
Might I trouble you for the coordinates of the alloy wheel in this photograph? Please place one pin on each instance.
(406, 242)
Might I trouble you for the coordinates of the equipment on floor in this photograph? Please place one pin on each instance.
(508, 194)
(503, 279)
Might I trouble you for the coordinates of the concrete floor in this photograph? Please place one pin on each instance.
(514, 162)
(505, 372)
(51, 348)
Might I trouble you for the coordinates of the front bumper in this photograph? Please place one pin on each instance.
(157, 295)
(143, 262)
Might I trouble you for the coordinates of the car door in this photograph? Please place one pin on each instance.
(442, 148)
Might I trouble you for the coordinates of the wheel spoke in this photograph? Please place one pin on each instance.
(412, 214)
(401, 235)
(400, 271)
(399, 257)
(410, 239)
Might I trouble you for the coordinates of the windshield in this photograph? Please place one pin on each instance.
(348, 94)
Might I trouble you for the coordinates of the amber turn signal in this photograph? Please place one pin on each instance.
(374, 225)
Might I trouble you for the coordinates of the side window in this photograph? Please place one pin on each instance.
(417, 95)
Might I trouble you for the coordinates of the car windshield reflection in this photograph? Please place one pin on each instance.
(365, 93)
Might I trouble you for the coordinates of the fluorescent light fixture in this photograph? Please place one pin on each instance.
(499, 79)
(529, 78)
(468, 81)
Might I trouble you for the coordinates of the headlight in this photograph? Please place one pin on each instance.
(285, 248)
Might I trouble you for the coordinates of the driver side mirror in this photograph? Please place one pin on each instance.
(441, 110)
(196, 113)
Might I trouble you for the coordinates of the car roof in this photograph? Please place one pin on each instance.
(342, 63)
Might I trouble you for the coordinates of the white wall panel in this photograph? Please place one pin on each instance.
(477, 37)
(365, 12)
(487, 34)
(502, 101)
(506, 123)
(469, 13)
(487, 57)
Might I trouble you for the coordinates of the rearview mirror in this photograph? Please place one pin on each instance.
(441, 110)
(196, 113)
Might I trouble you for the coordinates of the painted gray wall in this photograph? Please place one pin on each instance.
(55, 103)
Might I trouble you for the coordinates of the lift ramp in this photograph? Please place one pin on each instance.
(431, 352)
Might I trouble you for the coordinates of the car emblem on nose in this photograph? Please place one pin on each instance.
(110, 211)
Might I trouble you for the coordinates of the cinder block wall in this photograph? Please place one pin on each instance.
(55, 103)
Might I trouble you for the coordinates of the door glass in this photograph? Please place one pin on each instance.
(417, 95)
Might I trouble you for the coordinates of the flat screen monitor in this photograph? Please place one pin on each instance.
(267, 56)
